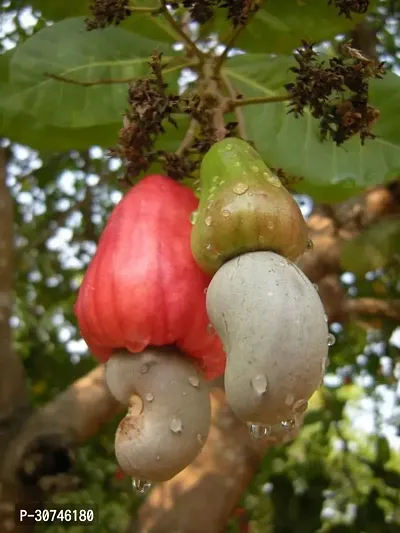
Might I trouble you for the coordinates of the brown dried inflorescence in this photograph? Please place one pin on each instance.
(106, 13)
(150, 105)
(335, 91)
(347, 7)
(202, 11)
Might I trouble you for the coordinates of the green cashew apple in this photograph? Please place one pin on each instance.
(243, 208)
(272, 324)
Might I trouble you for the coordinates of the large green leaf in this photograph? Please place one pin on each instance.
(48, 114)
(141, 23)
(279, 25)
(329, 173)
(372, 249)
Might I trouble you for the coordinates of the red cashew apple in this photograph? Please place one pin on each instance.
(142, 309)
(143, 287)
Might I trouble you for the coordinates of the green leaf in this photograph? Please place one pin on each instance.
(49, 114)
(141, 23)
(372, 249)
(279, 26)
(329, 173)
(382, 450)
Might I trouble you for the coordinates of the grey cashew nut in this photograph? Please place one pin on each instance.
(169, 412)
(272, 324)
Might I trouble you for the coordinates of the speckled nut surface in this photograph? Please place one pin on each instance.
(169, 412)
(272, 324)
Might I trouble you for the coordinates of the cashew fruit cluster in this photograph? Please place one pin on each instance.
(267, 313)
(141, 309)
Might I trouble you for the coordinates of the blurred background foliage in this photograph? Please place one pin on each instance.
(342, 474)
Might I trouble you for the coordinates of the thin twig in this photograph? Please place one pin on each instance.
(184, 36)
(235, 35)
(137, 9)
(188, 138)
(109, 81)
(241, 102)
(238, 112)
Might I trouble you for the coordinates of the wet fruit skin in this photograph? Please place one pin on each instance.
(143, 287)
(272, 324)
(243, 208)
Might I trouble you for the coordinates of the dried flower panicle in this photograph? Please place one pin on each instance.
(202, 11)
(150, 105)
(336, 92)
(347, 7)
(106, 13)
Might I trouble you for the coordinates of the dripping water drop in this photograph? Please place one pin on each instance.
(289, 424)
(331, 339)
(176, 425)
(193, 217)
(258, 431)
(289, 399)
(194, 381)
(259, 384)
(240, 188)
(141, 485)
(300, 406)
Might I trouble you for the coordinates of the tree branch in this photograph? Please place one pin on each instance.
(12, 385)
(241, 102)
(238, 112)
(373, 306)
(179, 31)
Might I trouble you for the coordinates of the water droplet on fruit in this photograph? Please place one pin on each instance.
(300, 406)
(225, 213)
(250, 193)
(275, 181)
(149, 396)
(210, 329)
(213, 189)
(259, 384)
(208, 221)
(228, 147)
(194, 381)
(261, 240)
(289, 424)
(270, 224)
(184, 393)
(200, 438)
(216, 179)
(240, 188)
(309, 245)
(331, 339)
(255, 168)
(141, 485)
(144, 369)
(258, 431)
(289, 399)
(158, 457)
(176, 425)
(193, 217)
